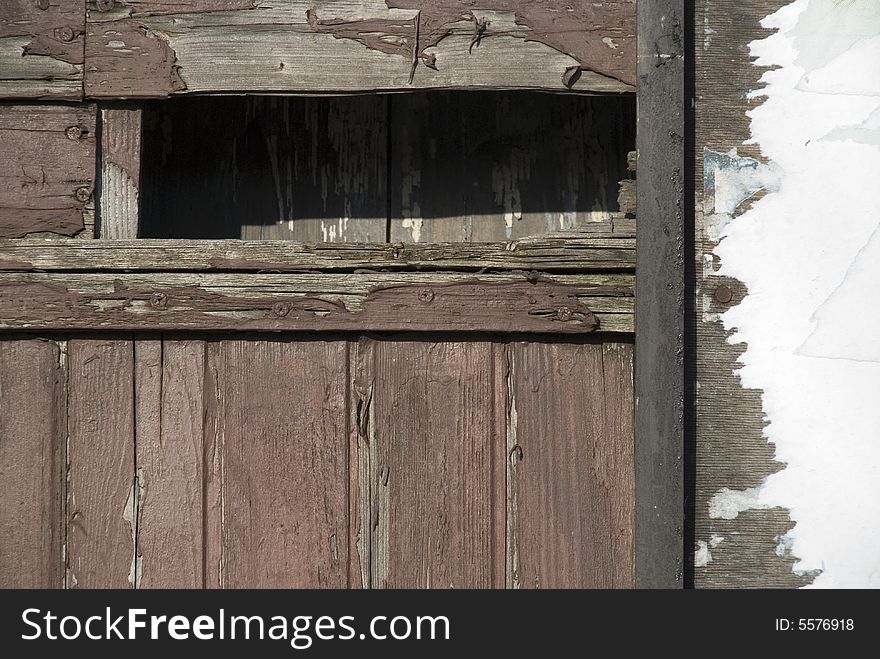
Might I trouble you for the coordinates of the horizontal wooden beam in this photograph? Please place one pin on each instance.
(557, 253)
(152, 49)
(381, 302)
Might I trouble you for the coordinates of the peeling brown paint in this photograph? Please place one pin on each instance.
(56, 32)
(137, 8)
(141, 61)
(57, 45)
(600, 36)
(19, 222)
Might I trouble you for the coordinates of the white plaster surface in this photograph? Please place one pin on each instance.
(809, 253)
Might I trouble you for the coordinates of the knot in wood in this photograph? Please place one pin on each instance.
(83, 194)
(42, 5)
(564, 313)
(104, 5)
(281, 309)
(426, 296)
(74, 132)
(158, 300)
(65, 34)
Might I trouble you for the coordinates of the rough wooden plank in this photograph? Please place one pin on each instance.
(496, 166)
(440, 466)
(730, 450)
(41, 49)
(566, 525)
(103, 492)
(143, 48)
(33, 432)
(660, 262)
(267, 168)
(353, 302)
(120, 171)
(169, 393)
(585, 252)
(285, 464)
(47, 168)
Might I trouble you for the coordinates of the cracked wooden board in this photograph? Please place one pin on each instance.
(47, 169)
(41, 49)
(564, 304)
(148, 49)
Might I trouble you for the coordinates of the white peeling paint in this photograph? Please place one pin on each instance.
(702, 555)
(809, 253)
(131, 514)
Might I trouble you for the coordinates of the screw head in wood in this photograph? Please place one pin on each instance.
(281, 309)
(104, 5)
(723, 294)
(74, 132)
(426, 296)
(65, 34)
(83, 194)
(42, 5)
(158, 300)
(564, 313)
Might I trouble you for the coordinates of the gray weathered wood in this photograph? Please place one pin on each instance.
(561, 252)
(33, 431)
(41, 49)
(333, 302)
(144, 48)
(496, 166)
(659, 368)
(120, 172)
(47, 169)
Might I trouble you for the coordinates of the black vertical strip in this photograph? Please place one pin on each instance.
(660, 258)
(388, 170)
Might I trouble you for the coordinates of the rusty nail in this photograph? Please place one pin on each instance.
(723, 294)
(42, 5)
(104, 5)
(280, 309)
(74, 132)
(65, 34)
(426, 295)
(564, 313)
(158, 300)
(83, 194)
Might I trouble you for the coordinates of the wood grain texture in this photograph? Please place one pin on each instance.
(41, 49)
(120, 172)
(311, 169)
(47, 169)
(563, 304)
(283, 432)
(573, 471)
(437, 522)
(147, 49)
(585, 252)
(731, 450)
(169, 395)
(496, 166)
(33, 428)
(103, 492)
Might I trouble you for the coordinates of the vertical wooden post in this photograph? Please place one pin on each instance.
(660, 297)
(120, 172)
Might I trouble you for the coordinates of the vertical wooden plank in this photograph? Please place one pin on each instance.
(170, 453)
(494, 166)
(213, 466)
(311, 169)
(102, 489)
(285, 463)
(32, 438)
(566, 477)
(120, 172)
(660, 249)
(436, 515)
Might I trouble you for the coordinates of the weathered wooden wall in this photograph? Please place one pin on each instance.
(410, 461)
(731, 451)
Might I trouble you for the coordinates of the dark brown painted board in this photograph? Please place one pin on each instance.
(311, 169)
(47, 169)
(571, 490)
(439, 478)
(102, 496)
(497, 166)
(282, 426)
(169, 394)
(32, 453)
(41, 48)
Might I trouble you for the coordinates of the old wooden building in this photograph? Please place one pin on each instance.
(343, 294)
